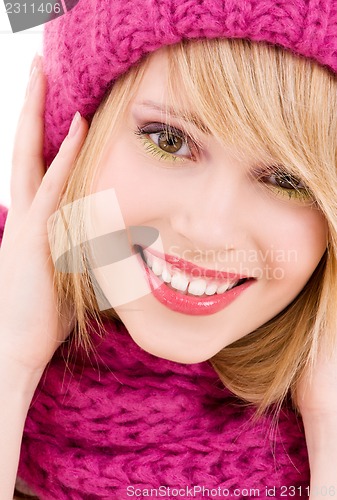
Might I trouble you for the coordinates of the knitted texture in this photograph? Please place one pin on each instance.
(98, 40)
(127, 419)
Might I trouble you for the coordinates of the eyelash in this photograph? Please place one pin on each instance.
(154, 149)
(300, 193)
(297, 190)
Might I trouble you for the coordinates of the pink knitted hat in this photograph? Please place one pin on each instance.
(98, 40)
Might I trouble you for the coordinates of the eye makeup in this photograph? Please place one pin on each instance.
(284, 184)
(168, 138)
(164, 142)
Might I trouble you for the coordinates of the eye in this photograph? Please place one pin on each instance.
(167, 142)
(286, 181)
(285, 184)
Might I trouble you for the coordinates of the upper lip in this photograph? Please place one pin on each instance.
(195, 270)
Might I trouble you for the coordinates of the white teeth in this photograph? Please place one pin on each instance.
(223, 288)
(211, 289)
(179, 282)
(149, 259)
(166, 276)
(197, 287)
(157, 266)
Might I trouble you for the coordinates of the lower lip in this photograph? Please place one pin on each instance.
(186, 304)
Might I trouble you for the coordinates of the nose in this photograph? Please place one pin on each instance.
(212, 215)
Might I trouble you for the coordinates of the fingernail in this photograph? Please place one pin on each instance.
(34, 62)
(32, 80)
(35, 70)
(75, 124)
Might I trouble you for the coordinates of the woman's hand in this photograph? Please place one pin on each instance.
(317, 401)
(31, 328)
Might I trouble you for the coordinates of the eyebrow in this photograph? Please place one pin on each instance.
(182, 115)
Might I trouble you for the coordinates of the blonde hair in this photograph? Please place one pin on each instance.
(280, 108)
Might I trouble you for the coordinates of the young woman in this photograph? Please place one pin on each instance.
(210, 166)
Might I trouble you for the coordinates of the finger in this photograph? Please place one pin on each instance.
(47, 197)
(27, 160)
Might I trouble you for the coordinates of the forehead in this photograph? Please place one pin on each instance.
(238, 110)
(155, 95)
(154, 82)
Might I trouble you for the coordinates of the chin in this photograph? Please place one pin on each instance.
(181, 354)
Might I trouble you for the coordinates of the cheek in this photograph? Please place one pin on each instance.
(300, 240)
(142, 196)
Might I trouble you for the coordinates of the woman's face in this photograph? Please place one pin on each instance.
(238, 246)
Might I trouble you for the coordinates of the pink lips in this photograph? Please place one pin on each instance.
(194, 270)
(188, 304)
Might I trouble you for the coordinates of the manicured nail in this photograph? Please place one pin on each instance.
(34, 62)
(75, 125)
(35, 71)
(33, 79)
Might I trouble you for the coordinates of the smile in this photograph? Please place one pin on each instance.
(190, 289)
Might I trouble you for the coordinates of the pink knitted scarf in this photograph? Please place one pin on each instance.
(123, 422)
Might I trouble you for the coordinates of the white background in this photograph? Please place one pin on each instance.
(16, 53)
